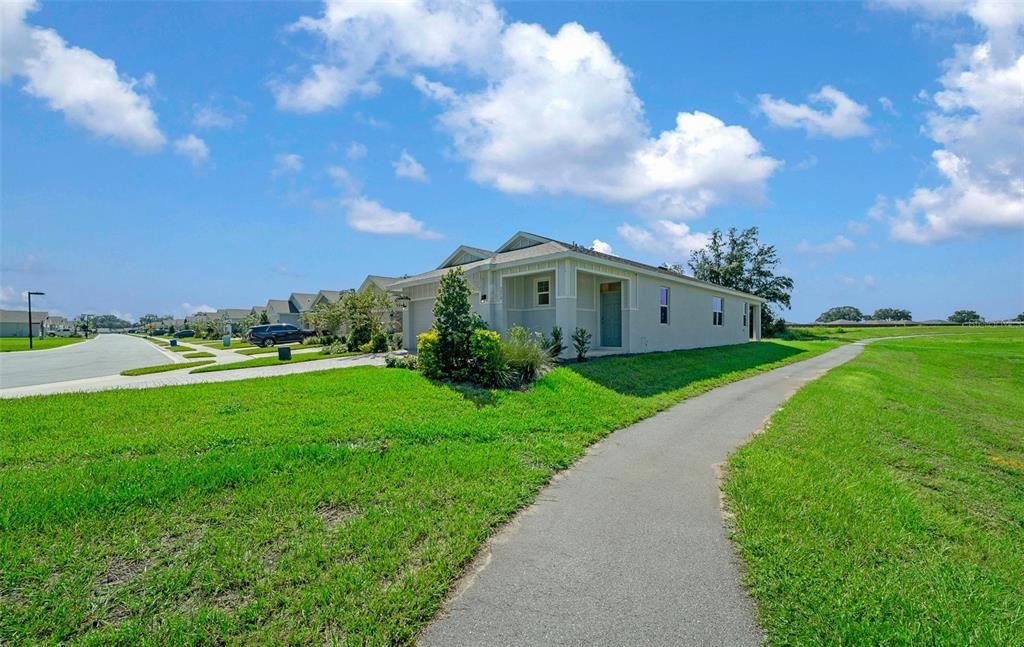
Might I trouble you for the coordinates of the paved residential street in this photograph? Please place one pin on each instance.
(98, 357)
(629, 547)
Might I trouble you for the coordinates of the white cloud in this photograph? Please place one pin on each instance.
(845, 119)
(343, 179)
(807, 163)
(557, 112)
(190, 309)
(867, 281)
(977, 120)
(674, 241)
(9, 298)
(406, 166)
(355, 151)
(370, 217)
(888, 106)
(86, 88)
(879, 209)
(192, 147)
(287, 164)
(602, 247)
(127, 316)
(858, 227)
(209, 117)
(837, 245)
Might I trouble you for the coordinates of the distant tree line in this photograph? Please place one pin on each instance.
(851, 313)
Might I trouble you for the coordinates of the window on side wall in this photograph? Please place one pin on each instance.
(746, 312)
(717, 311)
(663, 305)
(544, 293)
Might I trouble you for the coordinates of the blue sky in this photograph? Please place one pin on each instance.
(159, 157)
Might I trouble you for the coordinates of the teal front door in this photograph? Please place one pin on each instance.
(611, 315)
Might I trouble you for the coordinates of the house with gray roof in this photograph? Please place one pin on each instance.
(283, 311)
(15, 323)
(629, 307)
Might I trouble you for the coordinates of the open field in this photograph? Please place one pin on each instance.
(270, 361)
(273, 349)
(330, 506)
(11, 344)
(163, 368)
(885, 502)
(856, 334)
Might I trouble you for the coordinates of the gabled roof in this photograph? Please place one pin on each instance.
(231, 313)
(21, 316)
(525, 246)
(328, 295)
(255, 310)
(464, 254)
(279, 305)
(302, 300)
(382, 283)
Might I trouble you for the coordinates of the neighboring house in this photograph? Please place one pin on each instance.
(301, 302)
(393, 320)
(281, 311)
(628, 307)
(56, 324)
(14, 323)
(378, 283)
(327, 296)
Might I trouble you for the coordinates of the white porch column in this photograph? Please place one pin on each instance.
(565, 302)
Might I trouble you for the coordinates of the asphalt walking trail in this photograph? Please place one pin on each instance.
(629, 546)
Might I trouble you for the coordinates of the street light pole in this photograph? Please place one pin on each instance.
(30, 332)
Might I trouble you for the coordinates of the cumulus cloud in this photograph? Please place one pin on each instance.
(406, 166)
(600, 246)
(85, 87)
(355, 151)
(858, 227)
(371, 217)
(210, 116)
(287, 164)
(10, 298)
(343, 179)
(888, 106)
(839, 116)
(557, 112)
(192, 147)
(837, 245)
(670, 239)
(190, 309)
(977, 120)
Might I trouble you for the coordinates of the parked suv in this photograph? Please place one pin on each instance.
(268, 335)
(185, 333)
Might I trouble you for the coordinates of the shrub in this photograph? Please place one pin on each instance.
(526, 354)
(428, 350)
(554, 344)
(401, 361)
(581, 343)
(487, 358)
(379, 342)
(334, 348)
(777, 328)
(395, 341)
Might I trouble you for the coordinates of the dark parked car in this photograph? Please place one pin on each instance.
(158, 332)
(185, 333)
(268, 335)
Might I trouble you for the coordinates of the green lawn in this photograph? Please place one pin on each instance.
(336, 506)
(163, 368)
(856, 334)
(885, 503)
(273, 349)
(10, 344)
(180, 348)
(198, 354)
(219, 343)
(270, 361)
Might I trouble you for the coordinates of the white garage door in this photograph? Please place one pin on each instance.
(421, 318)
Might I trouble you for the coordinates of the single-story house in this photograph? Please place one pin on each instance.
(628, 307)
(327, 296)
(281, 311)
(378, 283)
(14, 323)
(302, 301)
(56, 324)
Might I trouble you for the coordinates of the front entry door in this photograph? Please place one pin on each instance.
(611, 315)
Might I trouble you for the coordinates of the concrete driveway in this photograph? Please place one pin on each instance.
(99, 357)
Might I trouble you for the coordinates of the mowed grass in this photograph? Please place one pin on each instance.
(885, 503)
(12, 344)
(273, 349)
(269, 361)
(337, 506)
(198, 354)
(163, 368)
(876, 332)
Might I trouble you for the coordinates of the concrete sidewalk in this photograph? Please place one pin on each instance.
(629, 546)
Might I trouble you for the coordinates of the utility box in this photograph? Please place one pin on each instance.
(227, 340)
(284, 352)
(174, 342)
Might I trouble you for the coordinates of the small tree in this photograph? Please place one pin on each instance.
(243, 325)
(364, 313)
(554, 344)
(848, 313)
(454, 323)
(891, 314)
(581, 343)
(264, 317)
(965, 316)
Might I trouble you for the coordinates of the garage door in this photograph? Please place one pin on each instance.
(421, 318)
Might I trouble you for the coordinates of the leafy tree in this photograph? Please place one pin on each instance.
(892, 314)
(848, 313)
(326, 317)
(245, 323)
(1019, 317)
(109, 321)
(965, 316)
(149, 318)
(83, 324)
(740, 261)
(454, 322)
(364, 313)
(264, 317)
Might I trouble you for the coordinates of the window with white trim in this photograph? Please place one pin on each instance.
(663, 305)
(544, 292)
(717, 311)
(746, 312)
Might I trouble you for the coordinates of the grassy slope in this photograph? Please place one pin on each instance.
(269, 361)
(9, 344)
(885, 504)
(163, 368)
(335, 505)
